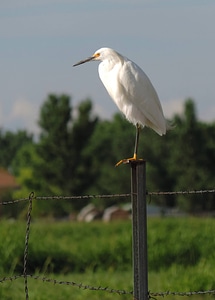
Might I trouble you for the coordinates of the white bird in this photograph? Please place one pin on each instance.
(132, 91)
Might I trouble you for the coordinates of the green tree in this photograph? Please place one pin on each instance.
(23, 166)
(110, 142)
(62, 169)
(81, 132)
(10, 143)
(76, 156)
(54, 144)
(192, 157)
(114, 140)
(156, 151)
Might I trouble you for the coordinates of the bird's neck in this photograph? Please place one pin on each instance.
(109, 63)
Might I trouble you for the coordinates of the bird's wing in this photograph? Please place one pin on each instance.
(137, 89)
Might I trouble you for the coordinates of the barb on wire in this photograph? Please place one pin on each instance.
(13, 201)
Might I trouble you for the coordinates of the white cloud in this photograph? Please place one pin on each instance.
(173, 107)
(208, 114)
(21, 108)
(23, 115)
(105, 111)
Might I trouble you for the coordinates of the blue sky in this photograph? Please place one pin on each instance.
(173, 41)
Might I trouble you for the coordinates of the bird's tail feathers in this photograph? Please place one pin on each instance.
(169, 125)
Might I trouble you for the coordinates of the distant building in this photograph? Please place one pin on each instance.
(7, 184)
(7, 181)
(115, 213)
(89, 213)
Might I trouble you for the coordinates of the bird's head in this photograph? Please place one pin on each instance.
(100, 55)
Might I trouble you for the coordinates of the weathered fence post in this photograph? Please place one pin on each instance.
(139, 224)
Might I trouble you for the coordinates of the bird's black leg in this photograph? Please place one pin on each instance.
(134, 158)
(136, 140)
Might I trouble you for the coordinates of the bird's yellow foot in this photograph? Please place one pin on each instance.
(128, 160)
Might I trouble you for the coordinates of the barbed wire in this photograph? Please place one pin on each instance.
(72, 283)
(104, 289)
(27, 234)
(159, 193)
(65, 198)
(183, 192)
(193, 293)
(32, 197)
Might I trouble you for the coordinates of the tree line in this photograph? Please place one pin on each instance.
(76, 151)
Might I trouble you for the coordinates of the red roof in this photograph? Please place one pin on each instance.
(7, 180)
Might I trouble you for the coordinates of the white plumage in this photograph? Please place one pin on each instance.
(131, 90)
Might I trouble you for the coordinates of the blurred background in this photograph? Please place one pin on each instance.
(61, 134)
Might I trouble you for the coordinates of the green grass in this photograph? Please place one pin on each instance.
(180, 252)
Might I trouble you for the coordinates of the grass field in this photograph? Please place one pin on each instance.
(180, 251)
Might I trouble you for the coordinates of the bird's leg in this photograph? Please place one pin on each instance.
(136, 140)
(134, 158)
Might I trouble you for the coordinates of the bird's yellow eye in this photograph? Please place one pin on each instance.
(96, 55)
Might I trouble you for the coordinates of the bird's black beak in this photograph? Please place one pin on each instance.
(84, 61)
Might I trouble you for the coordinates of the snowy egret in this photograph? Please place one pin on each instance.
(132, 91)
